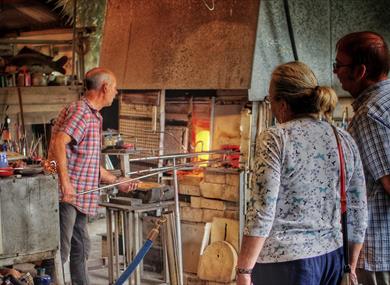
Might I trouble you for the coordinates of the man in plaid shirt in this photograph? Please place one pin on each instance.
(76, 145)
(362, 66)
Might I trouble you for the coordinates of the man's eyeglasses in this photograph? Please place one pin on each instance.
(337, 65)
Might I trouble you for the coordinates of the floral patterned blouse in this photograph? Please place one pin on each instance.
(295, 198)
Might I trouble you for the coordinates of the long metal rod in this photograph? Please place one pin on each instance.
(162, 131)
(123, 230)
(118, 183)
(253, 131)
(184, 155)
(242, 205)
(137, 246)
(157, 171)
(171, 253)
(116, 238)
(110, 246)
(212, 119)
(178, 228)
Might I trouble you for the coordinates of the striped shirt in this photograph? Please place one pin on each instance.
(370, 127)
(83, 124)
(295, 199)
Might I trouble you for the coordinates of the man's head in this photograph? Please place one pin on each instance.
(362, 60)
(101, 87)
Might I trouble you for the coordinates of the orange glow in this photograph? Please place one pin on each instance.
(202, 139)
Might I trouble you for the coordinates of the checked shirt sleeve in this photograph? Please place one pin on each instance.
(75, 123)
(375, 136)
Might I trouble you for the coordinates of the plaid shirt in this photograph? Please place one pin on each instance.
(370, 127)
(83, 124)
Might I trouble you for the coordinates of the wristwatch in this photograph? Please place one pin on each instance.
(243, 270)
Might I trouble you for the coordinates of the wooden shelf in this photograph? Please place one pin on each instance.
(39, 102)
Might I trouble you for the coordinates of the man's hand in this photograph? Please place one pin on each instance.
(68, 194)
(127, 186)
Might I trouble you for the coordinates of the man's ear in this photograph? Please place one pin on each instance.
(360, 72)
(104, 87)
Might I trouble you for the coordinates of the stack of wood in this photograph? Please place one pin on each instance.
(213, 197)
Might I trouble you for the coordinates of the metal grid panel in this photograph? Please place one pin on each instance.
(136, 125)
(174, 139)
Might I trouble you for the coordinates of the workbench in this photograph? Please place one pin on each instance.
(29, 219)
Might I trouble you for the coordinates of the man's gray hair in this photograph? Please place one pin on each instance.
(96, 77)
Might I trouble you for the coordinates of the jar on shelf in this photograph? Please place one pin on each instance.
(3, 159)
(42, 278)
(24, 78)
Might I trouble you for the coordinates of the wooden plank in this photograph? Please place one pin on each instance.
(192, 279)
(195, 202)
(191, 214)
(38, 99)
(218, 262)
(222, 176)
(214, 177)
(219, 191)
(190, 236)
(199, 202)
(38, 93)
(36, 108)
(233, 179)
(209, 214)
(231, 214)
(191, 179)
(189, 190)
(225, 229)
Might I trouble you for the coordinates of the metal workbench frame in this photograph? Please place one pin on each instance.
(172, 160)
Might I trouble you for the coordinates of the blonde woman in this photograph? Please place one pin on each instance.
(293, 231)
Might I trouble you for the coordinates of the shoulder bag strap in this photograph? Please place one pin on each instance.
(343, 200)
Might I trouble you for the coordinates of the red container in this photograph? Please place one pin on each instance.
(6, 171)
(233, 159)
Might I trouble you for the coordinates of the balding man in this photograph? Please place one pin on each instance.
(362, 66)
(76, 147)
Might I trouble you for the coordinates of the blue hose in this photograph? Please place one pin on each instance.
(129, 270)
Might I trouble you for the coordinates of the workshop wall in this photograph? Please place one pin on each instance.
(175, 44)
(317, 26)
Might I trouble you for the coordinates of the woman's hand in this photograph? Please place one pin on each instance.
(353, 278)
(243, 279)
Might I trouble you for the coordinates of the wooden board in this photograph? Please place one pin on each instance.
(190, 237)
(223, 229)
(199, 202)
(218, 262)
(219, 191)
